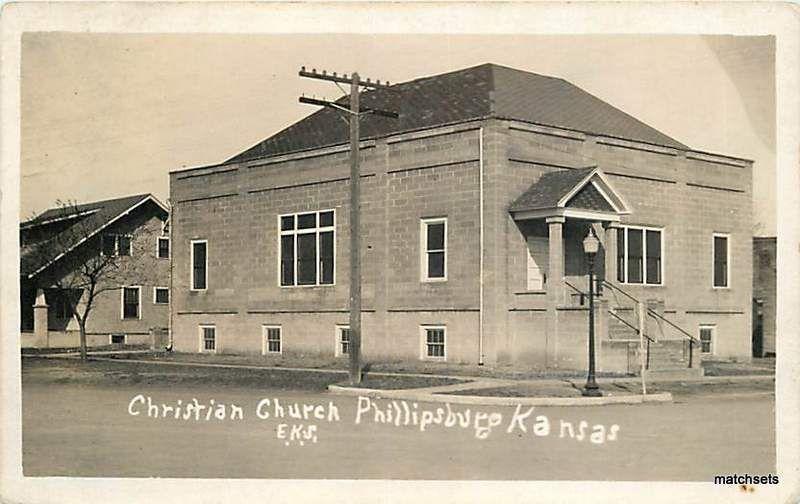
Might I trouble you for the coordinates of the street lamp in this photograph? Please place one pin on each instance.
(590, 246)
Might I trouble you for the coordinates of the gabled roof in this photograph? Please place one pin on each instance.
(582, 188)
(58, 236)
(483, 91)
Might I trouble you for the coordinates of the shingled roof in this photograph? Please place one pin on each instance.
(57, 233)
(483, 91)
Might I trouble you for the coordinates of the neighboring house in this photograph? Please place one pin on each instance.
(764, 295)
(58, 242)
(475, 203)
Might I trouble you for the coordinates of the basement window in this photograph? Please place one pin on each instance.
(307, 248)
(272, 340)
(208, 338)
(707, 339)
(433, 342)
(342, 341)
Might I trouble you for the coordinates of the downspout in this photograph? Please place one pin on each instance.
(480, 256)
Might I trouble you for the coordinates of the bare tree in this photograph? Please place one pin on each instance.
(92, 264)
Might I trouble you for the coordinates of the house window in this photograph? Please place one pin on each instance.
(163, 247)
(160, 295)
(130, 302)
(208, 338)
(721, 260)
(272, 339)
(639, 255)
(199, 260)
(707, 339)
(433, 237)
(307, 245)
(117, 339)
(433, 342)
(116, 245)
(342, 340)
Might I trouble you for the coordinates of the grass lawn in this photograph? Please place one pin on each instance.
(125, 372)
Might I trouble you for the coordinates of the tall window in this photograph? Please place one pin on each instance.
(707, 339)
(434, 249)
(272, 339)
(721, 260)
(208, 338)
(342, 340)
(130, 302)
(433, 342)
(199, 259)
(639, 255)
(163, 247)
(308, 241)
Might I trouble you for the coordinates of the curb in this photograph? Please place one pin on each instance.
(410, 395)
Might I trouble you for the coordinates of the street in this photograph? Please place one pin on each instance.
(87, 430)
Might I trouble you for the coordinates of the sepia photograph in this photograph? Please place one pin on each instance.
(410, 257)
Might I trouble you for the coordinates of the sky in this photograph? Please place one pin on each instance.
(106, 115)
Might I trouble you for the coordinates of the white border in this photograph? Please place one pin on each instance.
(423, 342)
(623, 228)
(423, 249)
(169, 248)
(191, 265)
(264, 346)
(111, 338)
(728, 268)
(713, 351)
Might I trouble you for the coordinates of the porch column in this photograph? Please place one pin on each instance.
(40, 319)
(610, 246)
(555, 271)
(555, 287)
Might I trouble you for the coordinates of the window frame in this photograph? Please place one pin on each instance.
(169, 247)
(622, 228)
(423, 249)
(191, 265)
(728, 279)
(337, 349)
(155, 295)
(423, 333)
(712, 341)
(265, 342)
(111, 338)
(201, 338)
(295, 232)
(115, 237)
(138, 302)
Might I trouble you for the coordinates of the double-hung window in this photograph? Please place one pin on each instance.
(433, 241)
(272, 339)
(433, 342)
(160, 295)
(199, 261)
(162, 246)
(307, 245)
(707, 339)
(208, 338)
(640, 255)
(721, 260)
(130, 302)
(342, 341)
(116, 245)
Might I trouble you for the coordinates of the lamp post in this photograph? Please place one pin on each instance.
(590, 246)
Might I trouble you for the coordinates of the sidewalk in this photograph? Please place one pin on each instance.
(464, 389)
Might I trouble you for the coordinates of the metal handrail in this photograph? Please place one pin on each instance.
(630, 325)
(652, 312)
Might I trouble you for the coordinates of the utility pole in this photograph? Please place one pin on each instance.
(353, 112)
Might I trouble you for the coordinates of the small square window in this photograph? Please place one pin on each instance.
(161, 295)
(117, 339)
